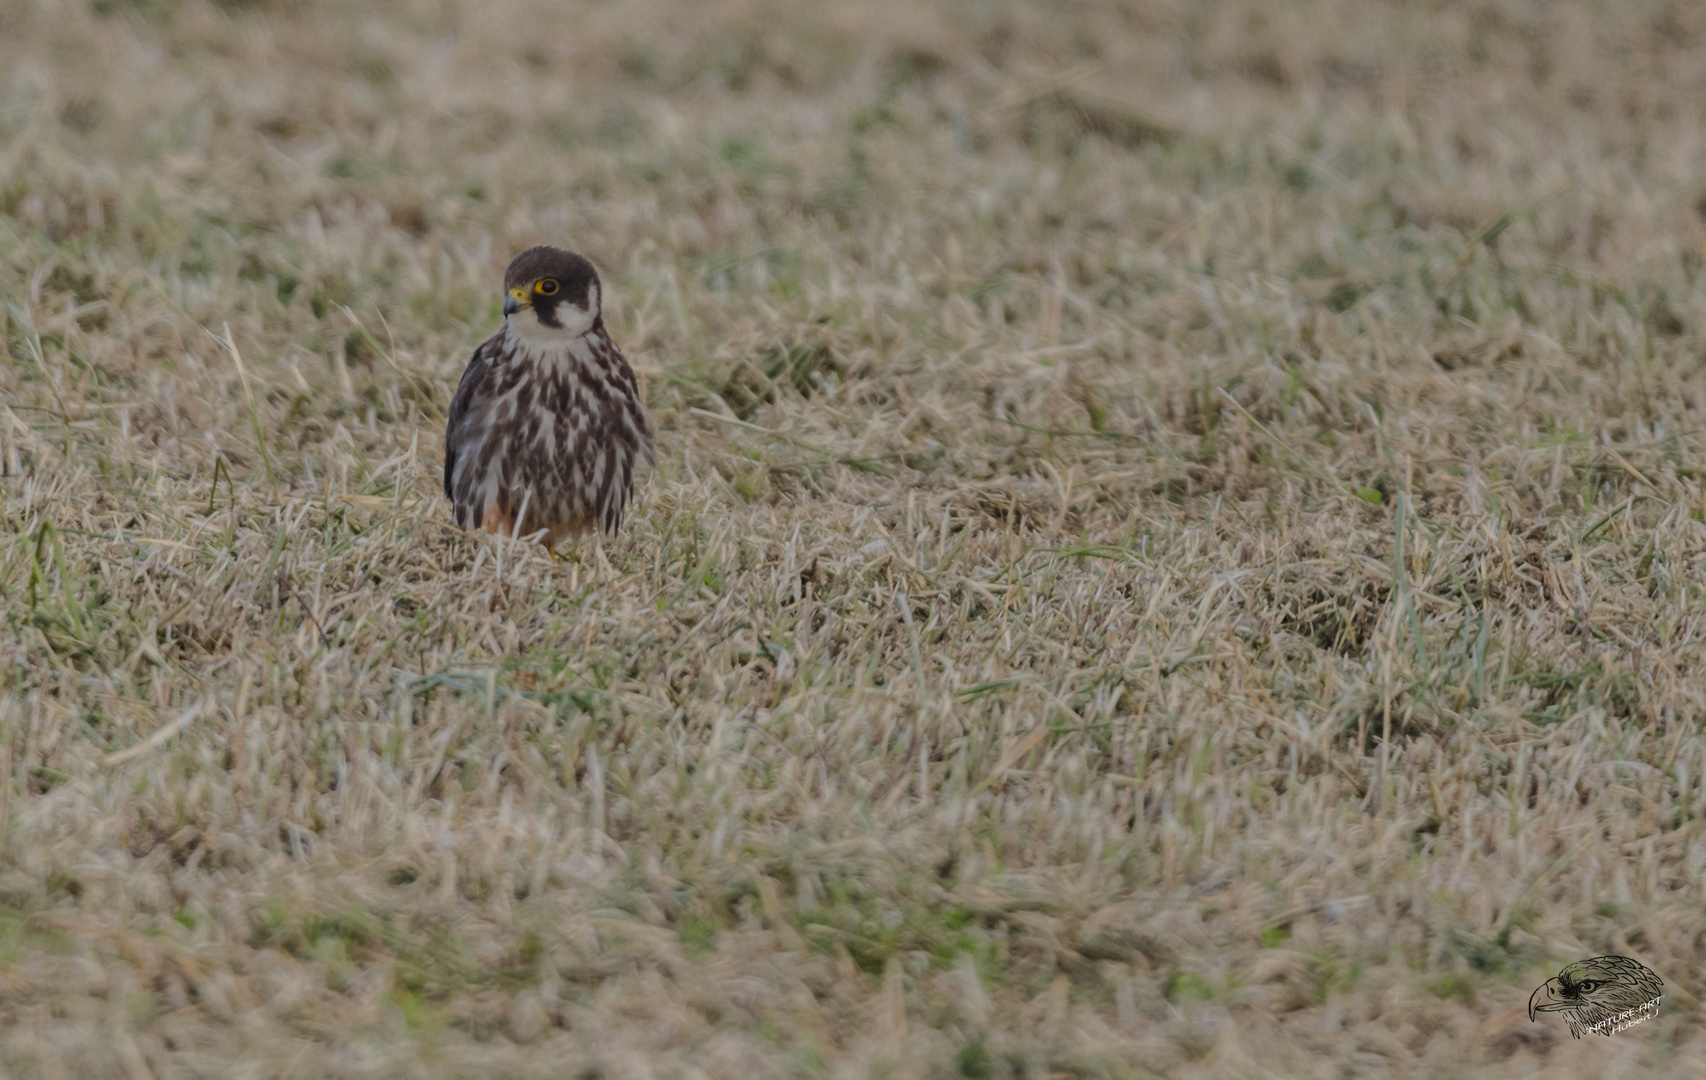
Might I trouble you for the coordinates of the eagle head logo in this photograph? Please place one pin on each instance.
(1598, 994)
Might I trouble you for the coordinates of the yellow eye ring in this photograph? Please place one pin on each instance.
(548, 287)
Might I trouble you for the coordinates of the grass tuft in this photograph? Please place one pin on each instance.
(1173, 553)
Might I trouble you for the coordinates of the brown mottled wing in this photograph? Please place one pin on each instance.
(617, 436)
(465, 436)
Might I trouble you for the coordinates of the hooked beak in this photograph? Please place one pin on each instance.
(1552, 1001)
(514, 302)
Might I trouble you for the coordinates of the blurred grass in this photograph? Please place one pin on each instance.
(1173, 550)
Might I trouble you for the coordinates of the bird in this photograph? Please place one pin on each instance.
(1598, 994)
(546, 429)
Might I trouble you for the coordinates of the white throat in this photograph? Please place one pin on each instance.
(538, 337)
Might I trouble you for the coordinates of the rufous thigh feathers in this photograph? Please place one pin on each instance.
(494, 520)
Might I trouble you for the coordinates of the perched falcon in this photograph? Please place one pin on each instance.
(1595, 995)
(546, 428)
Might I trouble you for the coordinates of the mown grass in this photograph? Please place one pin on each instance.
(1175, 548)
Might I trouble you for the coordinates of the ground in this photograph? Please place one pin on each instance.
(1175, 548)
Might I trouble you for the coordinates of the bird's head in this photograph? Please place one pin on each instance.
(551, 296)
(1612, 983)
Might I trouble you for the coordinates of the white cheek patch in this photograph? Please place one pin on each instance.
(577, 321)
(537, 336)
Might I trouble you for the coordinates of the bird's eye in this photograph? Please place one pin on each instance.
(548, 287)
(1587, 986)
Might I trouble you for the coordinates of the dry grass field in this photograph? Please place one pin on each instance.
(1176, 548)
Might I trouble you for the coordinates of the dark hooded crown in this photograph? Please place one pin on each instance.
(575, 277)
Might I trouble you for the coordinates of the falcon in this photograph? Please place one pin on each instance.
(1594, 995)
(546, 428)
